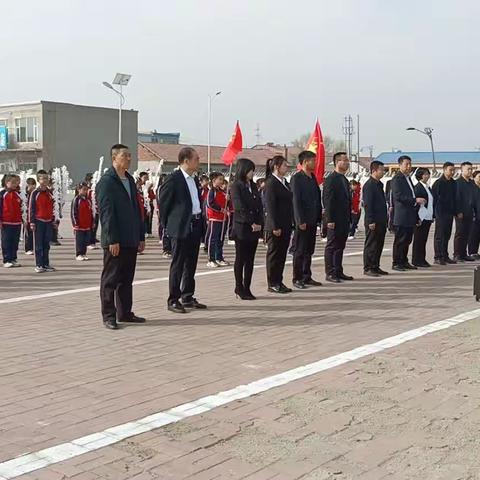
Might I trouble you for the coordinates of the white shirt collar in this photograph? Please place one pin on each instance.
(185, 174)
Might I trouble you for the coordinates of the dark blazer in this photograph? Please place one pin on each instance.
(278, 205)
(444, 196)
(476, 204)
(465, 197)
(337, 201)
(307, 199)
(405, 210)
(120, 214)
(247, 210)
(176, 205)
(374, 202)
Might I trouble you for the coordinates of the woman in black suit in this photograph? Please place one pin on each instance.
(278, 222)
(247, 225)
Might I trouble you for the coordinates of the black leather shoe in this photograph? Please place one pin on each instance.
(276, 289)
(342, 276)
(440, 261)
(285, 288)
(332, 279)
(449, 260)
(249, 294)
(459, 260)
(469, 258)
(380, 271)
(422, 265)
(176, 307)
(241, 293)
(313, 283)
(299, 285)
(133, 319)
(371, 273)
(111, 325)
(399, 268)
(409, 266)
(195, 304)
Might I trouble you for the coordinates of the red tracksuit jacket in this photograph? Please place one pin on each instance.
(40, 206)
(216, 202)
(81, 213)
(10, 207)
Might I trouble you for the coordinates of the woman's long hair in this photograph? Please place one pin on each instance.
(272, 163)
(244, 166)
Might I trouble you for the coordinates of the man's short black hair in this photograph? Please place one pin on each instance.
(305, 155)
(116, 148)
(186, 153)
(337, 155)
(31, 181)
(447, 164)
(401, 158)
(466, 163)
(375, 165)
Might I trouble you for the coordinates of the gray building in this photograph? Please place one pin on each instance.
(51, 134)
(159, 137)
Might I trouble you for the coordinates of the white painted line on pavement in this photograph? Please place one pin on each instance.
(34, 461)
(73, 291)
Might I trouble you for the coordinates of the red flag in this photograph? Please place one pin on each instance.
(315, 145)
(234, 147)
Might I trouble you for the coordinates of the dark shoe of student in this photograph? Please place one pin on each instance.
(250, 295)
(399, 268)
(241, 293)
(332, 279)
(459, 260)
(111, 325)
(298, 284)
(313, 283)
(476, 256)
(371, 273)
(55, 244)
(285, 288)
(276, 289)
(133, 319)
(176, 307)
(380, 271)
(441, 261)
(450, 261)
(193, 303)
(342, 276)
(422, 265)
(409, 266)
(469, 258)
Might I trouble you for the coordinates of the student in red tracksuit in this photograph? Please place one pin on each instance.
(92, 242)
(82, 217)
(42, 222)
(10, 220)
(27, 231)
(356, 209)
(217, 217)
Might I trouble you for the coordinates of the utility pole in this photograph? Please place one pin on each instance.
(258, 136)
(348, 131)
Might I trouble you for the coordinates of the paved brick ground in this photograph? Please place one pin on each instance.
(64, 376)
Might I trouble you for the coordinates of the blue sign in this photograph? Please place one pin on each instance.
(3, 138)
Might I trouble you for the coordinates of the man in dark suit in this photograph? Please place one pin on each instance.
(405, 213)
(123, 237)
(181, 214)
(307, 210)
(444, 195)
(337, 202)
(465, 201)
(376, 219)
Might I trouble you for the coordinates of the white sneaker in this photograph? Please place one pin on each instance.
(202, 245)
(85, 258)
(212, 265)
(231, 242)
(166, 255)
(79, 258)
(16, 264)
(324, 239)
(29, 252)
(39, 270)
(351, 237)
(223, 263)
(92, 247)
(8, 265)
(48, 268)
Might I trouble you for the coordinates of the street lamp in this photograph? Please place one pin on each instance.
(428, 132)
(209, 132)
(122, 80)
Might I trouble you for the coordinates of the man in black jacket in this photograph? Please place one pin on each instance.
(337, 202)
(376, 219)
(444, 195)
(181, 215)
(307, 212)
(465, 201)
(122, 238)
(405, 213)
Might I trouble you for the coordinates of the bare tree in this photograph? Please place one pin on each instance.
(331, 145)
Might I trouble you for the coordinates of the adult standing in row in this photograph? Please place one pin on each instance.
(247, 226)
(122, 238)
(376, 220)
(307, 209)
(181, 214)
(465, 195)
(278, 222)
(444, 198)
(405, 213)
(337, 202)
(474, 239)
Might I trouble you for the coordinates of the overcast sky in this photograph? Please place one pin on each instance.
(279, 63)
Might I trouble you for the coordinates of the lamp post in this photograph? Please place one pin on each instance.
(429, 133)
(209, 129)
(122, 80)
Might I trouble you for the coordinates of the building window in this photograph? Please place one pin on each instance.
(26, 129)
(3, 123)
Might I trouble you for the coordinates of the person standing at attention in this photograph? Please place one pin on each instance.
(181, 214)
(122, 238)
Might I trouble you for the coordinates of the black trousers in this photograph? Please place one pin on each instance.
(443, 232)
(116, 290)
(28, 238)
(374, 242)
(184, 264)
(403, 239)
(304, 241)
(82, 240)
(474, 239)
(42, 236)
(354, 224)
(93, 231)
(244, 259)
(420, 237)
(336, 241)
(10, 240)
(277, 248)
(463, 227)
